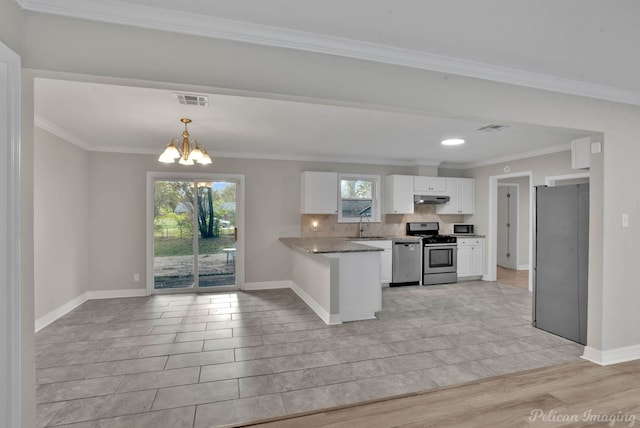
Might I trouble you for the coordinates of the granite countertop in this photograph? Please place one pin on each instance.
(329, 245)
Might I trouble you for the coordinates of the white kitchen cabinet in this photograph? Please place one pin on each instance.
(464, 261)
(319, 192)
(429, 185)
(461, 192)
(398, 194)
(470, 258)
(466, 196)
(386, 257)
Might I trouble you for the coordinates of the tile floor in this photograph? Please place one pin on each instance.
(203, 360)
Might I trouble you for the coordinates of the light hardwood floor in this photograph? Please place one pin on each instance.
(568, 395)
(515, 278)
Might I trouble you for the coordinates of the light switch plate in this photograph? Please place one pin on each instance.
(596, 147)
(625, 220)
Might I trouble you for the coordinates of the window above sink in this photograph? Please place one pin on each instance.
(359, 198)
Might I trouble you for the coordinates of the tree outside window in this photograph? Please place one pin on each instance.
(358, 198)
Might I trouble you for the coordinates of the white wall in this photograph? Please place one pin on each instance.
(61, 222)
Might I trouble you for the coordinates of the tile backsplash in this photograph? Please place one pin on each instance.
(391, 225)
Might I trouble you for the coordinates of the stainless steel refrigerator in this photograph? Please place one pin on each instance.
(561, 257)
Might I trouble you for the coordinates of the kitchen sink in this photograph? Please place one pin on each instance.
(371, 238)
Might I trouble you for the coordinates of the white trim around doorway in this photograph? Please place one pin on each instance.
(517, 186)
(10, 290)
(153, 176)
(492, 238)
(552, 181)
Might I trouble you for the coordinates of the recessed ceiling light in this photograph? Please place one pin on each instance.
(452, 142)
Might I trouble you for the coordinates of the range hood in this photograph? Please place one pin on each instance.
(430, 199)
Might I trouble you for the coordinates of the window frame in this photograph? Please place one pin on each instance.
(375, 198)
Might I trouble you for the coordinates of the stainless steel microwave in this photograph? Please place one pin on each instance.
(463, 229)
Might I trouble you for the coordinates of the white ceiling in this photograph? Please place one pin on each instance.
(572, 39)
(574, 46)
(142, 120)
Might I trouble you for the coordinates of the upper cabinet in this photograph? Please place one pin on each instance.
(429, 185)
(398, 192)
(462, 196)
(319, 192)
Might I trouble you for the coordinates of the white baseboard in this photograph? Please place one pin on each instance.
(47, 319)
(115, 294)
(522, 267)
(266, 285)
(60, 311)
(614, 356)
(315, 306)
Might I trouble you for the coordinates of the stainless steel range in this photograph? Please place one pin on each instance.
(439, 253)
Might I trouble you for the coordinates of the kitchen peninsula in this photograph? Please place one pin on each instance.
(338, 279)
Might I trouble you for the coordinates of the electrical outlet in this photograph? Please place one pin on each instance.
(625, 220)
(136, 277)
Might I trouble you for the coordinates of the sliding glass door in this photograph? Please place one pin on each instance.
(194, 234)
(217, 233)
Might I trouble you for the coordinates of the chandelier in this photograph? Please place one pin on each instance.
(188, 151)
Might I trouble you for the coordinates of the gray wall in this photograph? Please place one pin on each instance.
(272, 205)
(112, 212)
(11, 25)
(61, 222)
(541, 167)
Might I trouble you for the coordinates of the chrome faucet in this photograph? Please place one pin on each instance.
(361, 226)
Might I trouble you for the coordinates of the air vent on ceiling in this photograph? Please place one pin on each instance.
(492, 128)
(193, 100)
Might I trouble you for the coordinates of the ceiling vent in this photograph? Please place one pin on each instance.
(492, 128)
(193, 100)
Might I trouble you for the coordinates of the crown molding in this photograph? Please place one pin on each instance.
(79, 142)
(117, 12)
(519, 156)
(72, 138)
(272, 156)
(61, 133)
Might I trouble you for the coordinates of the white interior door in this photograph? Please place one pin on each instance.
(507, 256)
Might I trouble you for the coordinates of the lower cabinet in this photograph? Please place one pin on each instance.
(385, 257)
(470, 258)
